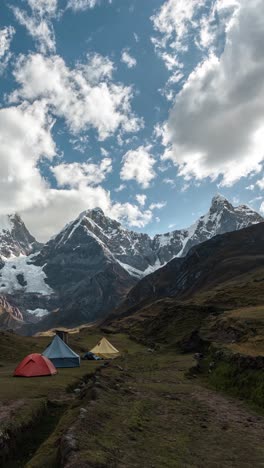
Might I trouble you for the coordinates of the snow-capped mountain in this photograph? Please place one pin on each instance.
(222, 217)
(138, 253)
(86, 270)
(15, 239)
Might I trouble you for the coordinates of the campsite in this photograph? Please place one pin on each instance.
(126, 409)
(27, 403)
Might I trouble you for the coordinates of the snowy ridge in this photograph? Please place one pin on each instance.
(140, 255)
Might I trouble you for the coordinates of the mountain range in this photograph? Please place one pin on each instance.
(87, 270)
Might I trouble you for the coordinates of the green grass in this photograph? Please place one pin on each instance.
(143, 411)
(24, 401)
(247, 383)
(149, 415)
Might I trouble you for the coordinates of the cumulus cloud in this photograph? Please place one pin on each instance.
(184, 27)
(139, 165)
(38, 23)
(217, 122)
(127, 58)
(173, 23)
(82, 174)
(141, 199)
(84, 96)
(81, 5)
(25, 142)
(25, 139)
(6, 36)
(61, 206)
(130, 214)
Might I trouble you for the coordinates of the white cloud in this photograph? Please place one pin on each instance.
(131, 214)
(80, 143)
(78, 174)
(141, 199)
(216, 125)
(82, 5)
(120, 188)
(43, 7)
(173, 23)
(260, 184)
(84, 96)
(175, 18)
(38, 23)
(169, 181)
(139, 165)
(127, 58)
(61, 206)
(25, 139)
(183, 26)
(6, 36)
(157, 206)
(104, 152)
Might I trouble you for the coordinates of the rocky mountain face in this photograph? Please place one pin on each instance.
(138, 253)
(15, 239)
(87, 270)
(227, 270)
(10, 316)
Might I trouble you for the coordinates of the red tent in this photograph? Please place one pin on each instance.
(35, 365)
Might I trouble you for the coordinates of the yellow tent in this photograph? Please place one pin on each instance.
(105, 349)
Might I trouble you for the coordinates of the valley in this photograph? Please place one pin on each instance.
(187, 388)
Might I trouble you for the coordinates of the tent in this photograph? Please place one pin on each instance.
(60, 354)
(105, 349)
(35, 365)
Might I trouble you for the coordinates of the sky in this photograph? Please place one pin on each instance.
(144, 108)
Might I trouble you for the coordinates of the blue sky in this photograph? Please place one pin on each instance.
(144, 108)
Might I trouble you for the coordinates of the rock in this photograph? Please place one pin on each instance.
(68, 445)
(77, 391)
(83, 413)
(198, 356)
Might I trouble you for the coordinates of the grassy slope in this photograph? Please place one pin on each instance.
(24, 401)
(151, 415)
(148, 414)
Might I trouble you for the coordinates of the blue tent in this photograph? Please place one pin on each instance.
(60, 354)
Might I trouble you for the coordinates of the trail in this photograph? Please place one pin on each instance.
(150, 415)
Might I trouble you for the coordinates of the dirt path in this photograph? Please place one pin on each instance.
(150, 415)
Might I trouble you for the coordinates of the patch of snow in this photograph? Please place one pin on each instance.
(38, 312)
(131, 270)
(33, 275)
(165, 239)
(152, 268)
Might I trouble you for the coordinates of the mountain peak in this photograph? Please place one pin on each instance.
(15, 239)
(219, 199)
